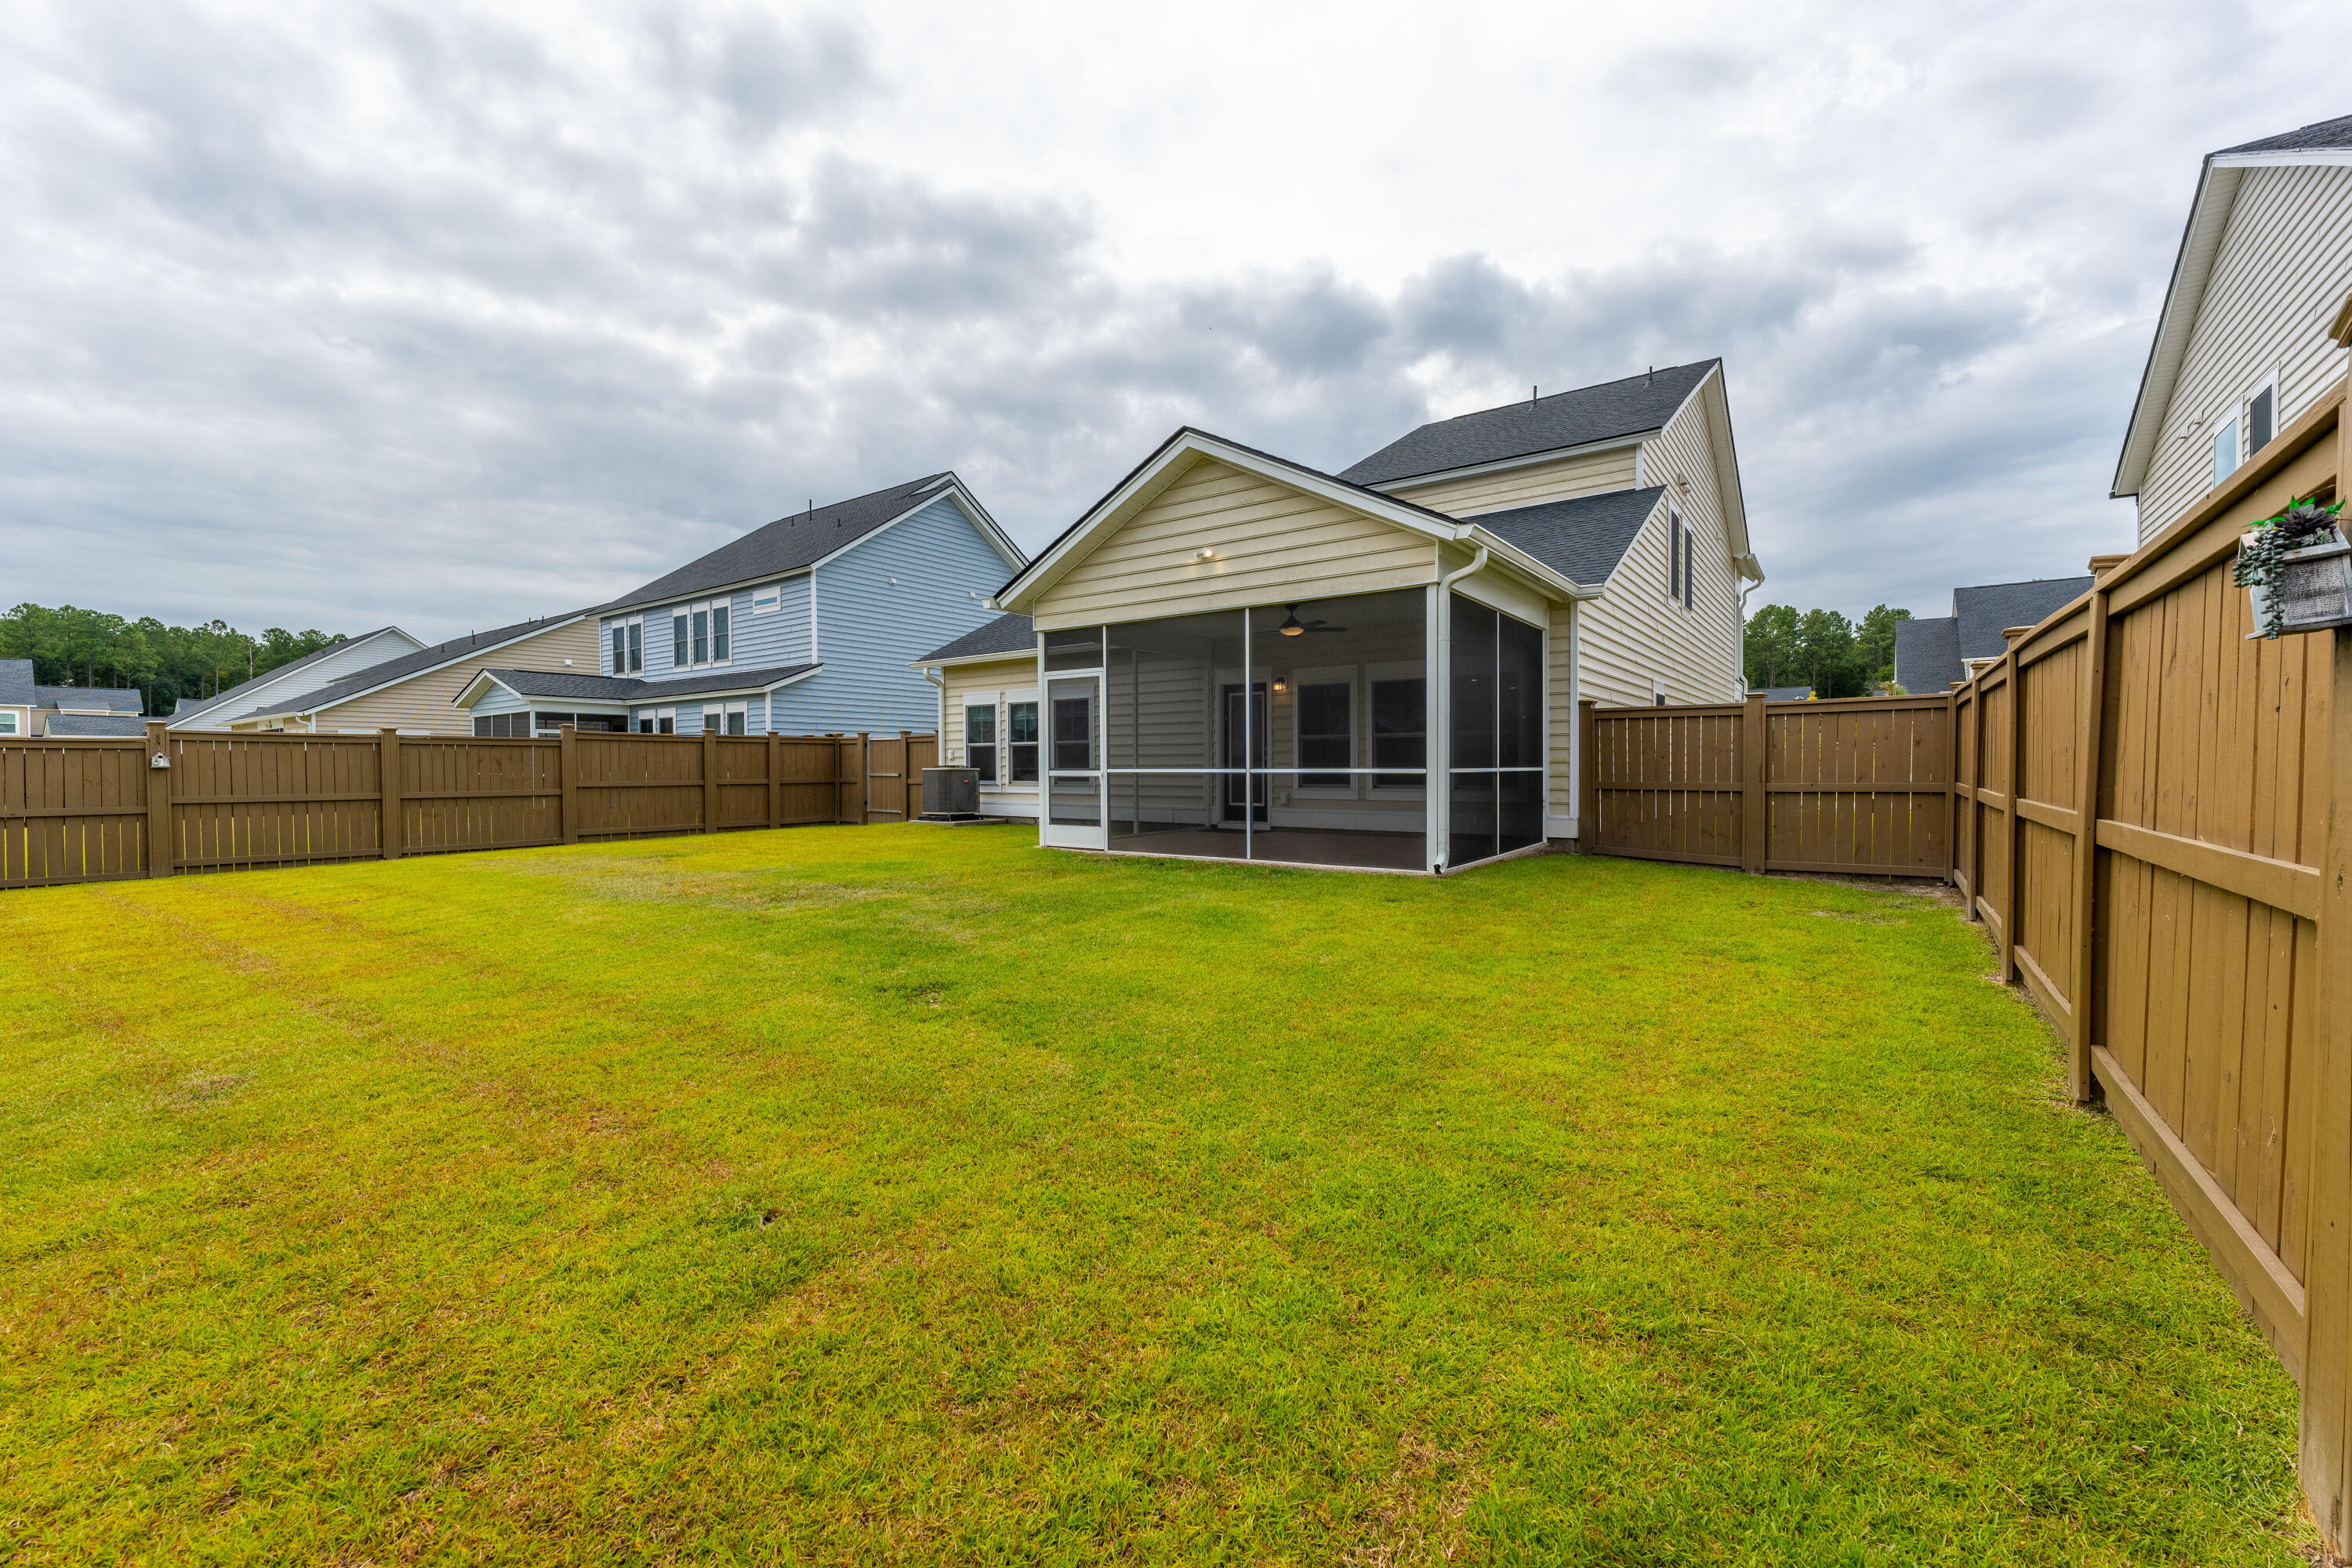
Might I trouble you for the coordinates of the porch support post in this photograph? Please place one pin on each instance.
(1435, 749)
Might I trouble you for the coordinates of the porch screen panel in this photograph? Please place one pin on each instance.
(1519, 734)
(1494, 795)
(1159, 736)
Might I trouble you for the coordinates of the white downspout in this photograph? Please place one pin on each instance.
(1441, 691)
(931, 674)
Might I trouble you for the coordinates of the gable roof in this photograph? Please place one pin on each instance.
(16, 687)
(579, 685)
(1004, 634)
(378, 676)
(1582, 539)
(111, 699)
(87, 726)
(807, 538)
(1148, 479)
(1927, 654)
(1982, 611)
(2218, 179)
(1578, 419)
(191, 707)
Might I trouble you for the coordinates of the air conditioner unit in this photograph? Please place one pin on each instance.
(951, 794)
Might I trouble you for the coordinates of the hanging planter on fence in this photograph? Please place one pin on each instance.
(2298, 570)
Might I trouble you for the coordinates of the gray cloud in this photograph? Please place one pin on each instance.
(430, 321)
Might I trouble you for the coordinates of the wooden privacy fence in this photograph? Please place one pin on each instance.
(91, 810)
(1863, 785)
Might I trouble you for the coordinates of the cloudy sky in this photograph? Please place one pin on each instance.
(330, 316)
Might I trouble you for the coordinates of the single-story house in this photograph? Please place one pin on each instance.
(804, 627)
(1234, 655)
(1932, 653)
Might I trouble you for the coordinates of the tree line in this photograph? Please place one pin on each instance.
(1823, 650)
(70, 647)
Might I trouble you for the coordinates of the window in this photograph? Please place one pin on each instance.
(1674, 554)
(2261, 411)
(698, 634)
(8, 723)
(726, 718)
(501, 726)
(657, 721)
(1690, 569)
(980, 740)
(1400, 731)
(1074, 732)
(1327, 736)
(1021, 740)
(2225, 447)
(628, 651)
(768, 599)
(549, 723)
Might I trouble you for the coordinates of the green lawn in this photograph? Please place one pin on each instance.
(870, 1195)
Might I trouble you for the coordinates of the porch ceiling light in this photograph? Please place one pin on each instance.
(1292, 626)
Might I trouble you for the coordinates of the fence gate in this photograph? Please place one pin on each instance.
(1860, 785)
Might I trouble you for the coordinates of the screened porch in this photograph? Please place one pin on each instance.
(1302, 733)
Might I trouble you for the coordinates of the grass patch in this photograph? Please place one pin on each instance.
(898, 1194)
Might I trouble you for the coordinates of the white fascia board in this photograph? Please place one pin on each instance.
(1505, 465)
(639, 609)
(1543, 579)
(2192, 273)
(480, 687)
(427, 669)
(2338, 155)
(1730, 494)
(952, 489)
(1180, 452)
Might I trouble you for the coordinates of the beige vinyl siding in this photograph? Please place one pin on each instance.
(1585, 474)
(1272, 544)
(349, 659)
(997, 681)
(427, 702)
(1559, 738)
(1634, 632)
(2281, 273)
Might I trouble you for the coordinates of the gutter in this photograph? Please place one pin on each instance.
(1441, 700)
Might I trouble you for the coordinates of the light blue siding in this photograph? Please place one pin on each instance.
(870, 630)
(500, 700)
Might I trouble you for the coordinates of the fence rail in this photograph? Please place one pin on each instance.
(95, 810)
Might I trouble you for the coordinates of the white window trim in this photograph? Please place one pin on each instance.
(773, 595)
(1351, 676)
(725, 711)
(993, 701)
(1400, 670)
(621, 624)
(653, 717)
(10, 724)
(1005, 702)
(687, 611)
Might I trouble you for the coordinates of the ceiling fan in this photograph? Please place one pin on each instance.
(1292, 626)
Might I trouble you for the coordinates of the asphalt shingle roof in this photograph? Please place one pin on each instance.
(113, 698)
(1581, 539)
(1788, 694)
(1927, 654)
(16, 687)
(1564, 419)
(84, 726)
(580, 687)
(1983, 611)
(408, 664)
(787, 545)
(1005, 634)
(2322, 133)
(189, 706)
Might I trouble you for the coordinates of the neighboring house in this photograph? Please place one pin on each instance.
(1788, 693)
(19, 698)
(308, 673)
(805, 626)
(89, 726)
(2255, 322)
(414, 692)
(1930, 654)
(1229, 653)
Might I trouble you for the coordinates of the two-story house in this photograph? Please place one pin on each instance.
(1234, 655)
(804, 627)
(2256, 321)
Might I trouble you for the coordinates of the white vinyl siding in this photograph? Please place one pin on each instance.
(1585, 474)
(2283, 271)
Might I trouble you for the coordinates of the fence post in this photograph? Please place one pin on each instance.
(2089, 740)
(2011, 822)
(159, 801)
(2327, 1446)
(569, 760)
(865, 779)
(389, 831)
(1755, 780)
(775, 780)
(907, 775)
(709, 778)
(1588, 782)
